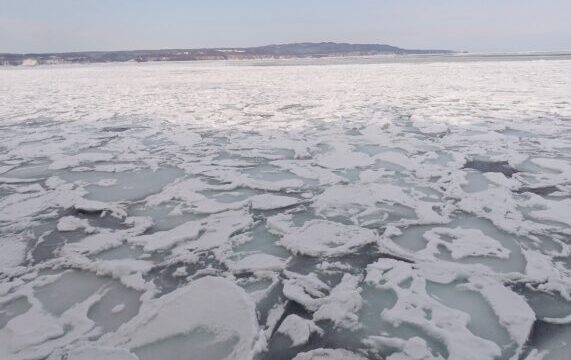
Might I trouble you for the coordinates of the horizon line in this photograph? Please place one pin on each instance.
(224, 48)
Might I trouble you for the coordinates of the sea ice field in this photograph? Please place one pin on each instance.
(286, 210)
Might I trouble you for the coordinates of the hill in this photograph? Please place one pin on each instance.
(294, 50)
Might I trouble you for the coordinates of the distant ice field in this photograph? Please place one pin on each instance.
(347, 210)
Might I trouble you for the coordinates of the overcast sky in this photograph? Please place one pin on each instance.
(472, 25)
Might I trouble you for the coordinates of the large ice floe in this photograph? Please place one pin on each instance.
(342, 211)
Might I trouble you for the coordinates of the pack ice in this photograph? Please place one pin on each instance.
(403, 210)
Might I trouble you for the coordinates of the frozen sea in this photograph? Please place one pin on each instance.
(345, 209)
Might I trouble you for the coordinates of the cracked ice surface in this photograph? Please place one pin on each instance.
(333, 211)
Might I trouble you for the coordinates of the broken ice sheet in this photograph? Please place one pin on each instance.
(286, 212)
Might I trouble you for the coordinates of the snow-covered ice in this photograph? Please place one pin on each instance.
(226, 210)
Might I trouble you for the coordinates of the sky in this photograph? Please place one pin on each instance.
(28, 26)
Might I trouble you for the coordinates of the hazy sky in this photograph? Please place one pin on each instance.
(473, 25)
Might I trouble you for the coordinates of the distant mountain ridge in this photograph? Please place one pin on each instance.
(293, 50)
(326, 48)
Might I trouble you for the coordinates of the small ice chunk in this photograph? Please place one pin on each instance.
(219, 229)
(64, 162)
(118, 308)
(329, 354)
(358, 200)
(5, 180)
(306, 290)
(342, 157)
(100, 353)
(414, 348)
(549, 275)
(184, 138)
(96, 243)
(464, 243)
(399, 159)
(209, 304)
(327, 238)
(258, 262)
(163, 240)
(54, 182)
(553, 210)
(502, 180)
(180, 272)
(342, 304)
(280, 224)
(72, 223)
(122, 268)
(91, 206)
(271, 202)
(512, 309)
(31, 328)
(306, 170)
(298, 329)
(12, 251)
(106, 182)
(428, 125)
(537, 355)
(562, 166)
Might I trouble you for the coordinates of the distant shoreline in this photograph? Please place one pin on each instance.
(274, 52)
(335, 60)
